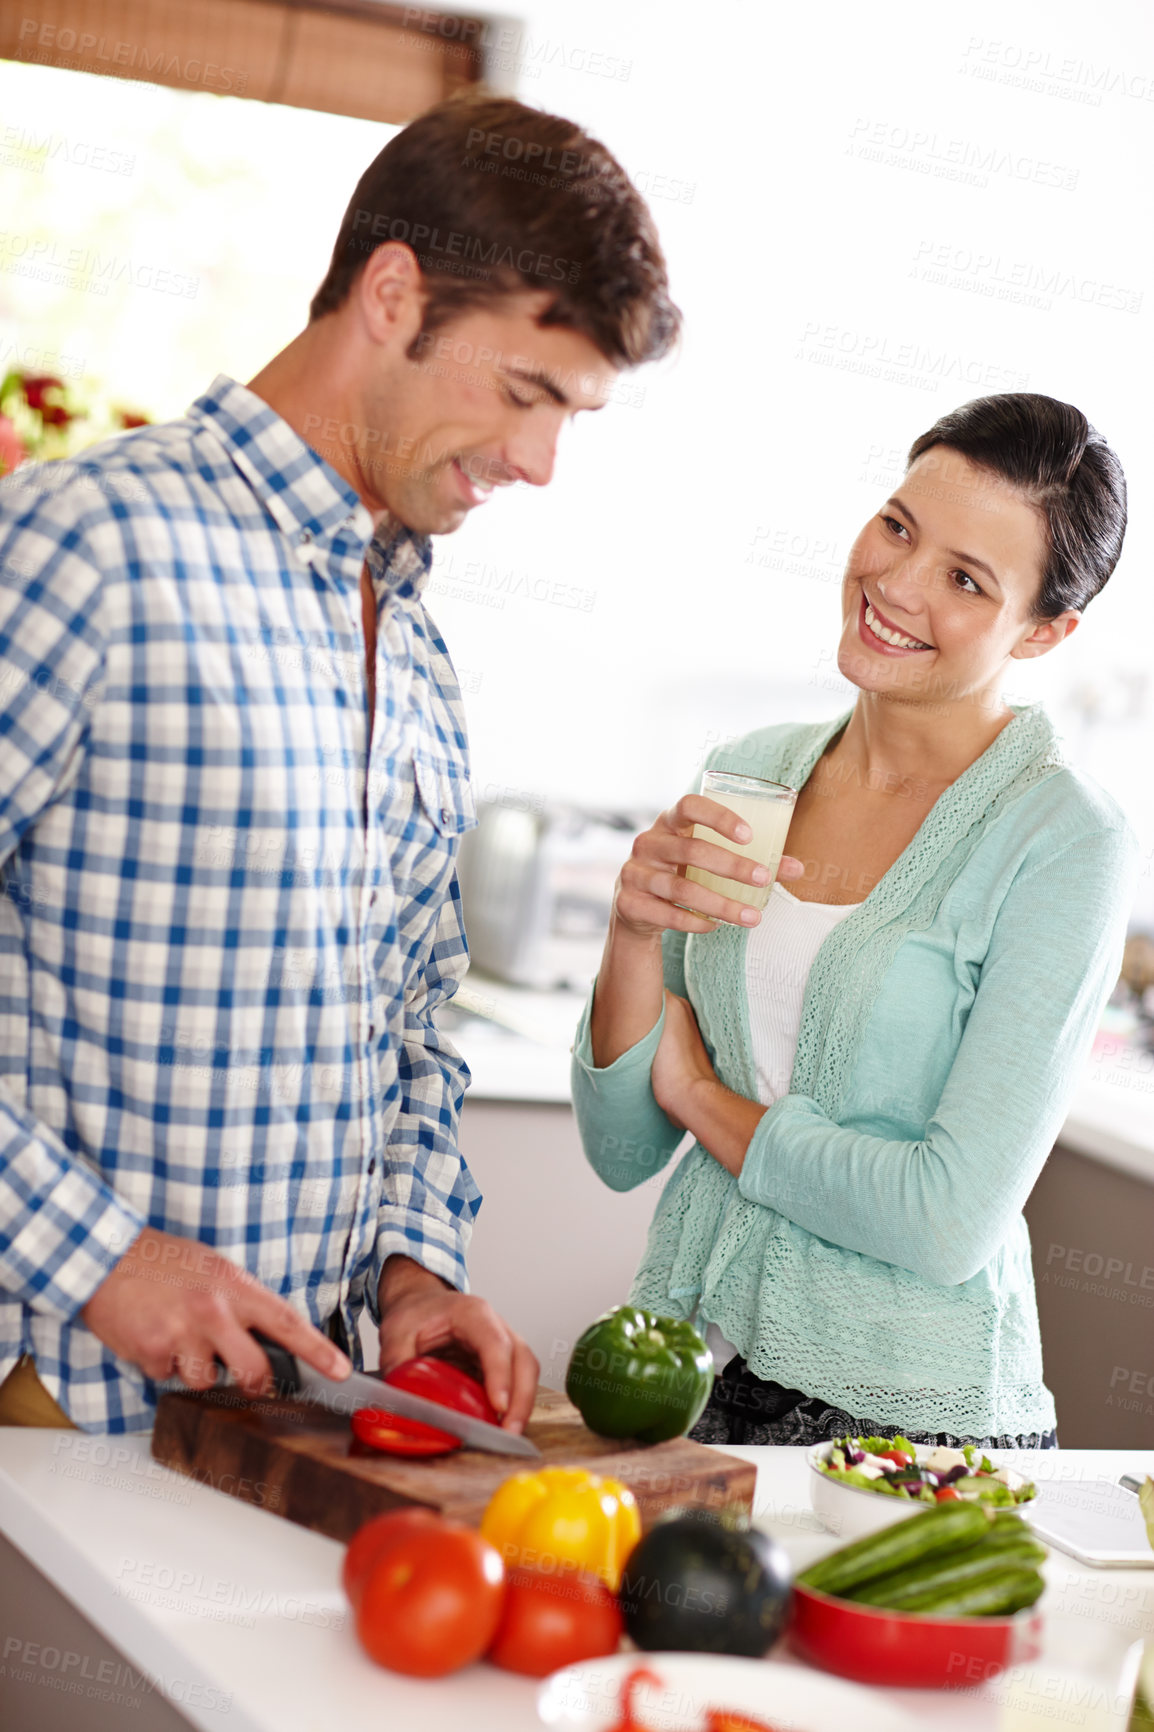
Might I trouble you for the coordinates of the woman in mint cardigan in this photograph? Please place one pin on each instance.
(852, 1232)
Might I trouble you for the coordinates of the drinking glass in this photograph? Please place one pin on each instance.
(767, 808)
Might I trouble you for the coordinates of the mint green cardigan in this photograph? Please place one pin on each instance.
(875, 1255)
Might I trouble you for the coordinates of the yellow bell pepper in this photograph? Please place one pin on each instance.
(564, 1518)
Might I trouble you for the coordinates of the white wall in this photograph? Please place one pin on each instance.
(871, 215)
(891, 210)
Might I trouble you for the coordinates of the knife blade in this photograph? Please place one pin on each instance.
(299, 1381)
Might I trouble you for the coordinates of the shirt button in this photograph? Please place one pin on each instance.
(446, 815)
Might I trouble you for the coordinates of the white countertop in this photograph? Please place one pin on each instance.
(517, 1046)
(239, 1613)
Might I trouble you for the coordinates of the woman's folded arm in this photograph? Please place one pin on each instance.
(626, 1136)
(943, 1205)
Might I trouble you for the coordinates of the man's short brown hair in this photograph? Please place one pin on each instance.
(496, 198)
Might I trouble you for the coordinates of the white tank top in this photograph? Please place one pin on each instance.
(778, 957)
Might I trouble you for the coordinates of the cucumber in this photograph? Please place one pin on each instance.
(946, 1527)
(1006, 1539)
(1007, 1590)
(948, 1570)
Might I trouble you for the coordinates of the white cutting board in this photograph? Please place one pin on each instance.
(1095, 1520)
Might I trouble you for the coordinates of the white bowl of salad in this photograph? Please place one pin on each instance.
(861, 1484)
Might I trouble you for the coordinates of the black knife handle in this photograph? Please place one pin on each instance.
(285, 1375)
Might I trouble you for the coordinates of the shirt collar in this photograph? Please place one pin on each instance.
(398, 557)
(305, 495)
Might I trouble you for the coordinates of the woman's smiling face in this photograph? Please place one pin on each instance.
(940, 586)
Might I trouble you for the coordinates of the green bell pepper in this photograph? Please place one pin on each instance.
(633, 1374)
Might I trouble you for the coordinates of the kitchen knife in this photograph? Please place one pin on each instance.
(299, 1382)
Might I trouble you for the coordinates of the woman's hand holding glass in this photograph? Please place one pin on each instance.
(651, 898)
(652, 893)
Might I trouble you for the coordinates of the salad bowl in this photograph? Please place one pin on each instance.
(852, 1511)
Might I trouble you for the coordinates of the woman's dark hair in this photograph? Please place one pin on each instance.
(496, 198)
(1051, 454)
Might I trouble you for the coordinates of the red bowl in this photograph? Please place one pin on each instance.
(874, 1646)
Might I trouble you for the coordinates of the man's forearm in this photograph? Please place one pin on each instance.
(65, 1228)
(402, 1276)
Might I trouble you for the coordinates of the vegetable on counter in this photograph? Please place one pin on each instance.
(373, 1539)
(634, 1374)
(946, 1475)
(436, 1380)
(563, 1519)
(897, 1547)
(551, 1621)
(427, 1594)
(716, 1719)
(704, 1582)
(954, 1561)
(997, 1550)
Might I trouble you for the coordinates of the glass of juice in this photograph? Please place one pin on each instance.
(1084, 1680)
(767, 808)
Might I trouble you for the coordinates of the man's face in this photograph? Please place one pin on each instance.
(480, 405)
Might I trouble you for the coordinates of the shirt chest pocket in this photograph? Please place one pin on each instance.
(445, 791)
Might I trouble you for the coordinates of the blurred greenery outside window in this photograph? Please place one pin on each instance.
(152, 238)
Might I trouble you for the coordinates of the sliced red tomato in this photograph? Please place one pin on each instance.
(553, 1619)
(897, 1456)
(947, 1494)
(436, 1380)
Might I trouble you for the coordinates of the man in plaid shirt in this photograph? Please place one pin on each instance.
(233, 777)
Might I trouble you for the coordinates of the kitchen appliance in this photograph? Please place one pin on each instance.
(537, 888)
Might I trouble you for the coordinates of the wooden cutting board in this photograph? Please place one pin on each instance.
(299, 1462)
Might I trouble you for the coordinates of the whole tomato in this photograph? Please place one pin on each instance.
(430, 1599)
(554, 1619)
(373, 1540)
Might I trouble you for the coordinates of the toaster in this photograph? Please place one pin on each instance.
(537, 881)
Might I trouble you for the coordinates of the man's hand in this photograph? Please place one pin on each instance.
(420, 1313)
(170, 1305)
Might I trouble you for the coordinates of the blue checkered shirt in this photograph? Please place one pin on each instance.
(226, 922)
